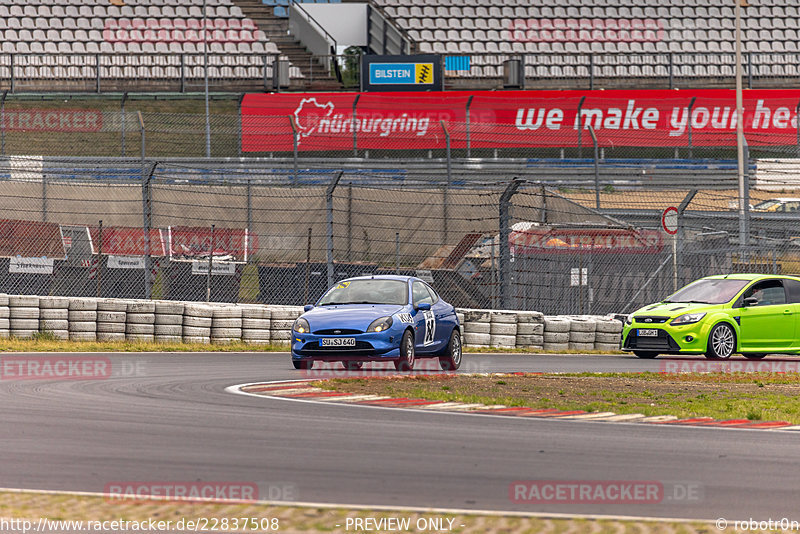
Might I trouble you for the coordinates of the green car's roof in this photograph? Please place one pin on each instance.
(748, 276)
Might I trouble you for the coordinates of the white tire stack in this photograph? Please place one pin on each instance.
(140, 321)
(82, 319)
(168, 324)
(530, 330)
(556, 333)
(197, 323)
(476, 327)
(5, 324)
(281, 324)
(23, 313)
(608, 335)
(581, 333)
(503, 329)
(256, 325)
(111, 319)
(226, 324)
(54, 316)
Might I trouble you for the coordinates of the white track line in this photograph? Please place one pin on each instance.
(366, 507)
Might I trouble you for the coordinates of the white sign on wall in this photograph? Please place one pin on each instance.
(18, 264)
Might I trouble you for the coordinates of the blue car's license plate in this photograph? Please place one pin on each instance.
(338, 342)
(648, 332)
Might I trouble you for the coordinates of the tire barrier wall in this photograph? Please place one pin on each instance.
(89, 319)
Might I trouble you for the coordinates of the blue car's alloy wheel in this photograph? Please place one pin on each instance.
(406, 360)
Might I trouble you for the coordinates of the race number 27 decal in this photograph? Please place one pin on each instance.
(430, 327)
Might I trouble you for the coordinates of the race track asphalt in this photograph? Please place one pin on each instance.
(167, 418)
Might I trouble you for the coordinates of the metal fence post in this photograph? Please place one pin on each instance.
(579, 126)
(122, 116)
(745, 224)
(293, 124)
(142, 134)
(505, 251)
(239, 125)
(355, 122)
(97, 72)
(469, 147)
(147, 176)
(3, 124)
(329, 230)
(796, 120)
(99, 259)
(671, 75)
(591, 72)
(596, 169)
(689, 125)
(445, 200)
(210, 265)
(397, 253)
(44, 197)
(679, 238)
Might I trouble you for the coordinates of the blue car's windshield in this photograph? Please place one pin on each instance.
(368, 291)
(711, 291)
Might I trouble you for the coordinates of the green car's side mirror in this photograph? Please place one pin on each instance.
(750, 301)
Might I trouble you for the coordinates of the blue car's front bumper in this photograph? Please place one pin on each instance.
(370, 346)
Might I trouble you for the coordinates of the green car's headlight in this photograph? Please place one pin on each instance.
(380, 325)
(301, 326)
(688, 318)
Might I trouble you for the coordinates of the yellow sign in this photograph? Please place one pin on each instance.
(424, 72)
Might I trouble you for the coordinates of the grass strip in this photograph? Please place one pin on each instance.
(751, 396)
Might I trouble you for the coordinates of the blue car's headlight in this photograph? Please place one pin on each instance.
(301, 326)
(688, 318)
(379, 325)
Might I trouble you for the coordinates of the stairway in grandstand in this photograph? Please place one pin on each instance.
(316, 77)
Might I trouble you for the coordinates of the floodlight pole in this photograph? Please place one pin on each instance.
(740, 127)
(205, 75)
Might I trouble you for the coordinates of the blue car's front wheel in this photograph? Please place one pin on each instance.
(406, 360)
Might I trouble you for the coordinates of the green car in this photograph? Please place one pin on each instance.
(753, 314)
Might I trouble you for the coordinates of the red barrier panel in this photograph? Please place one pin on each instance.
(326, 121)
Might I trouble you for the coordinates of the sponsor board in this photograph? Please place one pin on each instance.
(42, 265)
(125, 262)
(219, 268)
(517, 118)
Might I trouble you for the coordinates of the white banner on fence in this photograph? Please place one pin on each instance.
(125, 262)
(223, 268)
(18, 264)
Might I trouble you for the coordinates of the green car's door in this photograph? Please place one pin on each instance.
(769, 322)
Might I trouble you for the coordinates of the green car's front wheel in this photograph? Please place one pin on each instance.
(721, 342)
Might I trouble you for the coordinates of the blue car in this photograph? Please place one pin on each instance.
(378, 319)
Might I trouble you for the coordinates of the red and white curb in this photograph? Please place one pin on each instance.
(302, 390)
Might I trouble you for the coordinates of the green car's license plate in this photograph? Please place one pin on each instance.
(648, 332)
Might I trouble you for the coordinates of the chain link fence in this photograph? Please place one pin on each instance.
(77, 227)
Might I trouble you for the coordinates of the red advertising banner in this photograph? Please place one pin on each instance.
(193, 242)
(127, 241)
(331, 121)
(572, 241)
(30, 239)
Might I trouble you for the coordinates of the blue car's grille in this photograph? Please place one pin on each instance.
(337, 332)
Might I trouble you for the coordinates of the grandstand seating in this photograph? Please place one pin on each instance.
(558, 37)
(67, 39)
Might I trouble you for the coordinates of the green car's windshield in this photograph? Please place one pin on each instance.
(709, 291)
(367, 291)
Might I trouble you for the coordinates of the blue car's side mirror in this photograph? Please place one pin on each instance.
(308, 307)
(424, 306)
